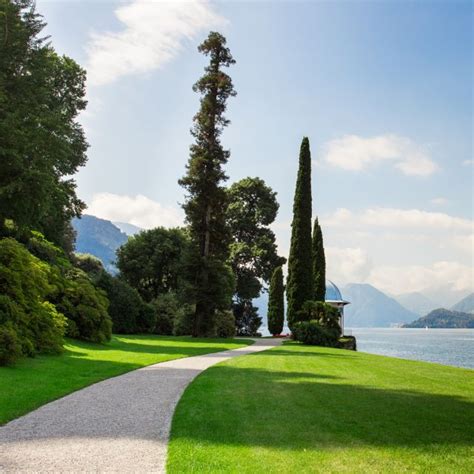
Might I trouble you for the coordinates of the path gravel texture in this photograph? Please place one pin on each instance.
(119, 425)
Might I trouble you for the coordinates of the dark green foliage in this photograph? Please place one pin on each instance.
(151, 260)
(167, 308)
(88, 263)
(85, 308)
(313, 333)
(42, 143)
(125, 303)
(300, 269)
(184, 321)
(276, 303)
(225, 324)
(326, 315)
(444, 319)
(206, 201)
(319, 263)
(29, 323)
(146, 320)
(247, 320)
(253, 251)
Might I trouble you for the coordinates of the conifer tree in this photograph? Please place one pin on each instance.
(209, 281)
(276, 303)
(319, 263)
(300, 267)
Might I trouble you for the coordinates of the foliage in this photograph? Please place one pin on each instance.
(206, 201)
(88, 263)
(42, 143)
(247, 320)
(29, 324)
(313, 333)
(276, 303)
(33, 383)
(150, 261)
(445, 319)
(184, 321)
(319, 263)
(225, 324)
(146, 320)
(167, 309)
(85, 307)
(326, 315)
(253, 251)
(300, 270)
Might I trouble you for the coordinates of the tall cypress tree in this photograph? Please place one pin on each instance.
(319, 263)
(208, 280)
(276, 303)
(300, 268)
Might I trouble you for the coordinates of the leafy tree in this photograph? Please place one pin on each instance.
(150, 261)
(300, 269)
(41, 141)
(208, 283)
(253, 251)
(319, 263)
(276, 303)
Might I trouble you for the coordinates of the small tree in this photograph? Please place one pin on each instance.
(319, 263)
(300, 269)
(276, 303)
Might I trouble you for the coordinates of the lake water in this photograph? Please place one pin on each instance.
(444, 346)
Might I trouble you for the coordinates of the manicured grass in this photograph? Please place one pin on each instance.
(33, 382)
(301, 409)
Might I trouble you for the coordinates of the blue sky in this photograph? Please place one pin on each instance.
(382, 89)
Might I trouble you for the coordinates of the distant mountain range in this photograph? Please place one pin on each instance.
(99, 237)
(417, 303)
(127, 228)
(372, 308)
(466, 305)
(444, 319)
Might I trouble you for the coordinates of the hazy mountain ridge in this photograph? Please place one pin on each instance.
(417, 303)
(100, 238)
(466, 305)
(126, 228)
(444, 319)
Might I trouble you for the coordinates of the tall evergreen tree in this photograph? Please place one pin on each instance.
(300, 269)
(276, 303)
(209, 282)
(319, 263)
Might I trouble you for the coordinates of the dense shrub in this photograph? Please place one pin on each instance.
(326, 315)
(184, 321)
(167, 309)
(85, 308)
(225, 324)
(146, 320)
(125, 303)
(311, 332)
(29, 324)
(88, 263)
(47, 251)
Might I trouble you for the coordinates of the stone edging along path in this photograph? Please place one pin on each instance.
(119, 425)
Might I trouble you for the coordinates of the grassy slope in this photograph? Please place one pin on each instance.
(306, 409)
(33, 382)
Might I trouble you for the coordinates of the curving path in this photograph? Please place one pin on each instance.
(119, 425)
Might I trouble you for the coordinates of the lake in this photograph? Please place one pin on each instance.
(444, 346)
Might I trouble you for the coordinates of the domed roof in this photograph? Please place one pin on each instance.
(332, 292)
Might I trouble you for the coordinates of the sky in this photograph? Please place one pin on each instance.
(382, 89)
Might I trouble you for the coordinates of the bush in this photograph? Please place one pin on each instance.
(324, 314)
(125, 303)
(184, 321)
(47, 251)
(167, 309)
(85, 308)
(88, 263)
(313, 333)
(29, 324)
(225, 324)
(146, 320)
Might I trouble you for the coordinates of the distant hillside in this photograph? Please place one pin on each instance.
(127, 228)
(444, 318)
(466, 305)
(417, 303)
(98, 237)
(371, 308)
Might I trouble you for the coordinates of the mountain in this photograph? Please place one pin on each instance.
(466, 305)
(371, 308)
(98, 237)
(127, 228)
(417, 303)
(444, 318)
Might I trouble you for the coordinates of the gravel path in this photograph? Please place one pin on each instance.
(119, 425)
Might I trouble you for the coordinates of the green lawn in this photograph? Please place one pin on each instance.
(33, 382)
(302, 409)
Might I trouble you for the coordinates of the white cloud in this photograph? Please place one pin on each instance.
(153, 34)
(468, 162)
(404, 279)
(439, 201)
(355, 153)
(397, 218)
(346, 265)
(137, 210)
